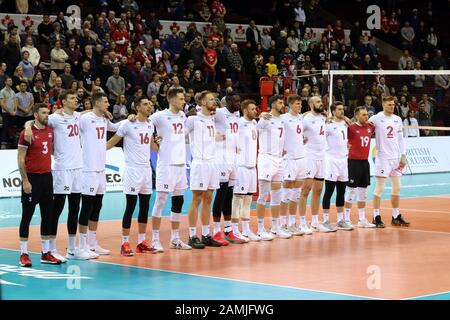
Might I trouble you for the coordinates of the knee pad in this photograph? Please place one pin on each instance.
(161, 198)
(246, 207)
(294, 194)
(178, 192)
(395, 184)
(264, 191)
(237, 207)
(285, 195)
(362, 194)
(177, 203)
(379, 188)
(275, 197)
(350, 194)
(175, 217)
(340, 194)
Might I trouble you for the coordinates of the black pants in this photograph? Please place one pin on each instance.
(42, 194)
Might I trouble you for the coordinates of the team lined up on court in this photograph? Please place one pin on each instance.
(287, 156)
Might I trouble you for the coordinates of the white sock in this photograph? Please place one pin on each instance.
(303, 221)
(205, 230)
(260, 225)
(347, 213)
(315, 218)
(125, 239)
(376, 212)
(283, 220)
(155, 234)
(92, 236)
(235, 227)
(174, 234)
(246, 226)
(72, 243)
(45, 246)
(141, 237)
(83, 241)
(227, 226)
(51, 244)
(362, 214)
(216, 227)
(395, 212)
(291, 220)
(24, 247)
(192, 231)
(326, 217)
(340, 216)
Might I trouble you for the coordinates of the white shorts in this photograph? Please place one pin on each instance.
(94, 182)
(204, 175)
(294, 169)
(67, 181)
(170, 178)
(227, 171)
(387, 168)
(246, 180)
(270, 168)
(315, 169)
(137, 180)
(336, 169)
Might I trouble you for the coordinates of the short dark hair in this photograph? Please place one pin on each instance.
(246, 103)
(96, 97)
(358, 109)
(274, 98)
(65, 93)
(23, 82)
(203, 94)
(388, 98)
(293, 98)
(173, 91)
(138, 100)
(335, 104)
(38, 106)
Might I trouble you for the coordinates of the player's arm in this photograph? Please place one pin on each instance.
(402, 147)
(115, 139)
(348, 121)
(21, 153)
(154, 144)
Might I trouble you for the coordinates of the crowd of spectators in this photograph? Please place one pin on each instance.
(123, 54)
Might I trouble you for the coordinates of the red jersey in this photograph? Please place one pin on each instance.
(394, 25)
(359, 139)
(210, 56)
(385, 24)
(120, 36)
(38, 158)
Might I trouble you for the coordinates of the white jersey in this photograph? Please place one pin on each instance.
(93, 130)
(314, 129)
(202, 136)
(137, 137)
(336, 133)
(388, 133)
(271, 136)
(170, 127)
(293, 141)
(227, 124)
(67, 144)
(247, 143)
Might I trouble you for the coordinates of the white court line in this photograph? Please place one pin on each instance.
(422, 185)
(221, 278)
(418, 230)
(427, 295)
(418, 210)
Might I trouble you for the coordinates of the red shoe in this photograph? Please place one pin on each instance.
(218, 237)
(144, 247)
(233, 239)
(25, 260)
(125, 250)
(48, 258)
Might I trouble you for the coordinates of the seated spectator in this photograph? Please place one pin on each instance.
(198, 83)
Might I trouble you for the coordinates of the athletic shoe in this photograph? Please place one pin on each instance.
(77, 255)
(144, 247)
(343, 225)
(266, 236)
(306, 230)
(349, 222)
(25, 260)
(286, 229)
(365, 224)
(156, 244)
(241, 236)
(92, 254)
(329, 226)
(48, 258)
(281, 234)
(56, 254)
(232, 238)
(125, 250)
(100, 251)
(218, 237)
(377, 222)
(210, 242)
(399, 222)
(319, 227)
(251, 236)
(195, 243)
(180, 245)
(295, 231)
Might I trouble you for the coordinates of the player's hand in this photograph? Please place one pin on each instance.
(305, 140)
(59, 112)
(265, 115)
(132, 117)
(220, 137)
(28, 135)
(328, 120)
(349, 146)
(402, 163)
(348, 121)
(158, 140)
(108, 115)
(27, 187)
(283, 153)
